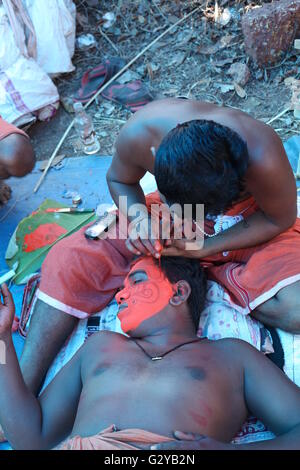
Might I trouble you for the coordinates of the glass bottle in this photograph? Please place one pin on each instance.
(85, 129)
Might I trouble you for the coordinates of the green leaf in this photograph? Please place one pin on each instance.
(31, 261)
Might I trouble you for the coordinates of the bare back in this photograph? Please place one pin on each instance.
(269, 178)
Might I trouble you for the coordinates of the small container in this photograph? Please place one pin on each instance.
(76, 200)
(85, 129)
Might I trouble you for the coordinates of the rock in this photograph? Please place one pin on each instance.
(128, 76)
(239, 72)
(86, 41)
(269, 31)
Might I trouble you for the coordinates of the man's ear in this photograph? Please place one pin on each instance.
(182, 293)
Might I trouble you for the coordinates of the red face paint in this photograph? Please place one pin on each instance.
(44, 235)
(145, 298)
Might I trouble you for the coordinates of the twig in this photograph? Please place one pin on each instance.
(119, 121)
(160, 12)
(107, 84)
(109, 40)
(279, 115)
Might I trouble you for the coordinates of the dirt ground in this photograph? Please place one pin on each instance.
(192, 60)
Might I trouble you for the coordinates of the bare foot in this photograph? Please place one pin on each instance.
(5, 193)
(2, 437)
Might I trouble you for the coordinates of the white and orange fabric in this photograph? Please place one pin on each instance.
(110, 439)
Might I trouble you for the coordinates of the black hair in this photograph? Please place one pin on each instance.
(177, 268)
(201, 162)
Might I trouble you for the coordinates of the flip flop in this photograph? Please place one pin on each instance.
(93, 79)
(133, 95)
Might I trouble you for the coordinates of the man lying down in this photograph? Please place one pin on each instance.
(139, 389)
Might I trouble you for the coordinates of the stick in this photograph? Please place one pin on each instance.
(109, 40)
(278, 115)
(117, 75)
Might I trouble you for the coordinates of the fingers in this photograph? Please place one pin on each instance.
(188, 436)
(5, 193)
(174, 248)
(185, 441)
(15, 325)
(131, 247)
(7, 297)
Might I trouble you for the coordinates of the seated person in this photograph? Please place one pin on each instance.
(16, 156)
(140, 388)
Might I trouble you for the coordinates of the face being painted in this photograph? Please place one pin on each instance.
(146, 292)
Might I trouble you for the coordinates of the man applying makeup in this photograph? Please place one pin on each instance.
(140, 388)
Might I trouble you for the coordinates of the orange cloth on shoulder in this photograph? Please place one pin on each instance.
(7, 129)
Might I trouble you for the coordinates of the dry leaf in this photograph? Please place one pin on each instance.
(224, 87)
(239, 90)
(82, 20)
(150, 71)
(171, 91)
(56, 161)
(221, 63)
(178, 59)
(213, 48)
(289, 81)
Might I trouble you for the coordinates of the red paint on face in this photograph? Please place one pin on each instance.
(144, 298)
(44, 235)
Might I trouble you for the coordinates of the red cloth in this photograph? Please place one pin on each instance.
(8, 129)
(81, 276)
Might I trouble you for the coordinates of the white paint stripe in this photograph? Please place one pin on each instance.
(269, 294)
(61, 306)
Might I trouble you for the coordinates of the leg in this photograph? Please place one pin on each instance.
(283, 310)
(49, 329)
(81, 274)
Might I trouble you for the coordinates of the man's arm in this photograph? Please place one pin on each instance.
(28, 422)
(271, 182)
(132, 159)
(272, 397)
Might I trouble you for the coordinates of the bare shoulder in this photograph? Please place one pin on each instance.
(102, 341)
(236, 349)
(134, 138)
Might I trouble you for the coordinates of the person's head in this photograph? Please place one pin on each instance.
(171, 291)
(201, 162)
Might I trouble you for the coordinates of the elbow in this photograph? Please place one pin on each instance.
(289, 222)
(285, 223)
(23, 158)
(108, 177)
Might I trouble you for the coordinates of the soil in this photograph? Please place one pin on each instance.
(189, 61)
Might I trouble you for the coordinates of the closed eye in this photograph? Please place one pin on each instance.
(138, 276)
(138, 281)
